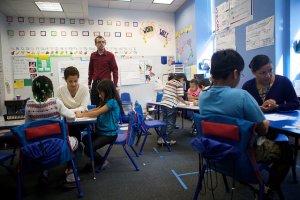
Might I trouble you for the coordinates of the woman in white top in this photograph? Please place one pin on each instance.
(75, 96)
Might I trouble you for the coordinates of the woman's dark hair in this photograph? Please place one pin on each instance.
(258, 61)
(195, 81)
(180, 76)
(71, 71)
(224, 62)
(110, 92)
(42, 88)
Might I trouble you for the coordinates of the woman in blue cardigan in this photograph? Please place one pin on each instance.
(272, 92)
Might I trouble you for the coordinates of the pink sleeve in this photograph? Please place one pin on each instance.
(189, 91)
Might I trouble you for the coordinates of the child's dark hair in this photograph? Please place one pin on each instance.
(224, 62)
(258, 61)
(195, 81)
(110, 92)
(180, 76)
(42, 88)
(171, 76)
(71, 71)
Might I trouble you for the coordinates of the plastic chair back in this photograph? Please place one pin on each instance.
(159, 96)
(125, 97)
(44, 142)
(227, 142)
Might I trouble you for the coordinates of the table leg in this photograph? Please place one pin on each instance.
(296, 146)
(90, 127)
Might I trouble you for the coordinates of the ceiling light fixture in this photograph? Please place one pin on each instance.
(163, 1)
(49, 6)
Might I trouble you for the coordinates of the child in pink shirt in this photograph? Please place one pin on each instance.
(194, 90)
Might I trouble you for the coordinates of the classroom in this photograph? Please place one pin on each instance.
(150, 41)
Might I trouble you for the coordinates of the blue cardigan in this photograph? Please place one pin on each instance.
(282, 91)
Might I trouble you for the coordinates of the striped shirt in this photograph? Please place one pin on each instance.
(52, 108)
(172, 90)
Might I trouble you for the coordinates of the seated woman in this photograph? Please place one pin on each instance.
(223, 98)
(272, 92)
(75, 97)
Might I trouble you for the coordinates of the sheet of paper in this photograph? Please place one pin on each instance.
(279, 117)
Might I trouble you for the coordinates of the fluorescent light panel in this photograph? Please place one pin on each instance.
(49, 6)
(163, 1)
(123, 0)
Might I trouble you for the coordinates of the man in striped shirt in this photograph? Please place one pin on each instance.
(173, 93)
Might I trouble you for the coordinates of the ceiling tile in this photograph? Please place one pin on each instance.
(54, 14)
(75, 15)
(67, 7)
(97, 3)
(119, 4)
(138, 6)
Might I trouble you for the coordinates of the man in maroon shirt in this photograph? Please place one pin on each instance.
(102, 64)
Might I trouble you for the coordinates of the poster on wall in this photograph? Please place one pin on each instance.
(81, 65)
(260, 34)
(43, 65)
(226, 40)
(131, 71)
(24, 68)
(241, 11)
(222, 16)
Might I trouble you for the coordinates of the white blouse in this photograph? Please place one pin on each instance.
(77, 103)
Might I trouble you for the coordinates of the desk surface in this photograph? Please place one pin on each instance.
(287, 122)
(13, 123)
(180, 105)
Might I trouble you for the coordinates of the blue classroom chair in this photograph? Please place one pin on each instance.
(226, 146)
(126, 137)
(44, 144)
(145, 125)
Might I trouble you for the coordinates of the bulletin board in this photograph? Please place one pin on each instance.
(133, 70)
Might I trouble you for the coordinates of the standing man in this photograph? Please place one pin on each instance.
(102, 64)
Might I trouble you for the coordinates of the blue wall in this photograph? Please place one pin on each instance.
(294, 35)
(185, 17)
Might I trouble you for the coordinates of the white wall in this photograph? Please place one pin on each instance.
(141, 44)
(6, 92)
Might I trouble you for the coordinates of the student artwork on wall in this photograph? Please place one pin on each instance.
(53, 33)
(74, 33)
(43, 33)
(128, 34)
(118, 23)
(32, 33)
(96, 33)
(81, 21)
(165, 34)
(147, 30)
(109, 22)
(21, 19)
(10, 33)
(62, 21)
(100, 22)
(91, 22)
(31, 20)
(72, 21)
(52, 20)
(117, 34)
(126, 24)
(42, 20)
(85, 33)
(21, 33)
(184, 44)
(106, 34)
(9, 19)
(135, 24)
(63, 33)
